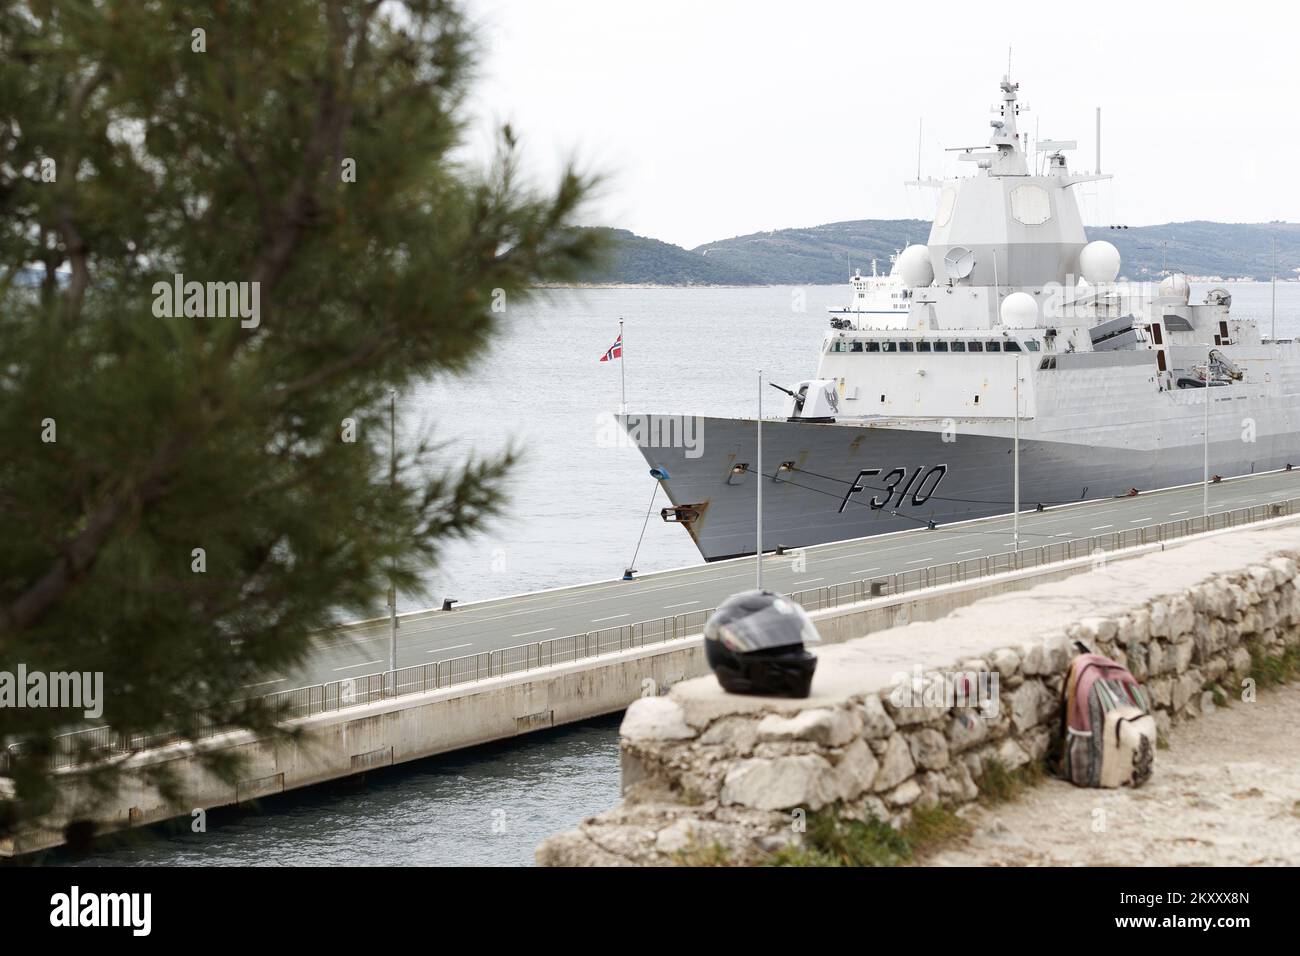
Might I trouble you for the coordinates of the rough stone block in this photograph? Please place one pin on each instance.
(896, 764)
(929, 749)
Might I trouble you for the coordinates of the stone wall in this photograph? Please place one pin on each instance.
(704, 770)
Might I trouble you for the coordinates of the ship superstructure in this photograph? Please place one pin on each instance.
(910, 418)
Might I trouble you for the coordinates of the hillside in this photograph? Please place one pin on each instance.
(819, 255)
(1199, 248)
(639, 260)
(826, 254)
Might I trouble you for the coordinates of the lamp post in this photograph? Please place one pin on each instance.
(758, 556)
(1205, 450)
(1015, 456)
(392, 588)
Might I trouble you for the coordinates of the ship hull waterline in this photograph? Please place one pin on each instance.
(836, 482)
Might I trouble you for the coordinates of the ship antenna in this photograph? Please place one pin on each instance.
(1098, 140)
(920, 125)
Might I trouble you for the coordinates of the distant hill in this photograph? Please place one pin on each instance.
(825, 255)
(820, 255)
(638, 260)
(1199, 248)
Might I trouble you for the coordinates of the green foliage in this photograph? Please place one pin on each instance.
(832, 840)
(710, 854)
(997, 784)
(1269, 670)
(183, 432)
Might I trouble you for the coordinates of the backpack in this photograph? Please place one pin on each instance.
(1108, 733)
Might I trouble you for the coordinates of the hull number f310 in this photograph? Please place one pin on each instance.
(897, 486)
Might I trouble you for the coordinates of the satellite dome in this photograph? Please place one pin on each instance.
(1019, 311)
(1099, 262)
(915, 267)
(1175, 287)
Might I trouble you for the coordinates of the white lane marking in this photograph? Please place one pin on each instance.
(1064, 534)
(971, 551)
(1140, 520)
(531, 633)
(612, 617)
(866, 570)
(278, 680)
(1175, 514)
(683, 604)
(810, 581)
(1101, 527)
(362, 664)
(449, 647)
(919, 561)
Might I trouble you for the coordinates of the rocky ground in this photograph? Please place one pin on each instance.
(1225, 793)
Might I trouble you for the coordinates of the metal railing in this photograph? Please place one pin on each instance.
(100, 742)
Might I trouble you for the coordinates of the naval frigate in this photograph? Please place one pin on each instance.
(1007, 330)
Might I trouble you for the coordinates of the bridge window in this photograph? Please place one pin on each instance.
(923, 346)
(994, 347)
(1032, 345)
(871, 346)
(975, 346)
(904, 346)
(1011, 346)
(855, 347)
(959, 346)
(889, 347)
(941, 346)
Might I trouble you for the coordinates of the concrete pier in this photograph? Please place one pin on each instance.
(355, 739)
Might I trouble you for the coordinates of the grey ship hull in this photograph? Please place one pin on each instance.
(810, 501)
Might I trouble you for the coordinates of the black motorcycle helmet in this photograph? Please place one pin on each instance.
(754, 643)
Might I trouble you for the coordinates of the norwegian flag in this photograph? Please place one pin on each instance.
(615, 350)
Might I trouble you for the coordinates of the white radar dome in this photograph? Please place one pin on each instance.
(915, 267)
(1019, 311)
(1175, 287)
(1099, 262)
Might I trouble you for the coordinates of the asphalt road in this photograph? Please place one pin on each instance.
(435, 635)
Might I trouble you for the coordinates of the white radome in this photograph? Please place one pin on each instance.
(915, 267)
(1019, 311)
(1099, 262)
(1177, 287)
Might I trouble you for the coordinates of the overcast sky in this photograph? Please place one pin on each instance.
(715, 118)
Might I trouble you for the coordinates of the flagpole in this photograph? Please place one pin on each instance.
(622, 368)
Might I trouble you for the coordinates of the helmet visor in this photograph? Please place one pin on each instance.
(760, 620)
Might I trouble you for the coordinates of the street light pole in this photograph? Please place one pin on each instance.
(1205, 450)
(392, 588)
(758, 557)
(1015, 455)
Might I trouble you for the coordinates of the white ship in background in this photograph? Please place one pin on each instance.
(910, 418)
(876, 301)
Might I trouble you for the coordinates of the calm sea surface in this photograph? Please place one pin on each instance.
(576, 506)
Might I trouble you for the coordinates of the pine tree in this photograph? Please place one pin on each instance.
(188, 498)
